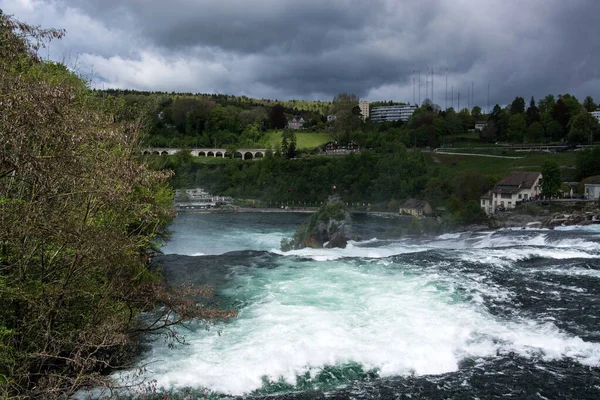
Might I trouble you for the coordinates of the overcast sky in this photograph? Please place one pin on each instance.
(314, 49)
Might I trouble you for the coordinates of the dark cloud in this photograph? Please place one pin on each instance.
(316, 49)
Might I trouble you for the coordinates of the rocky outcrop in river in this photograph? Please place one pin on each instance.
(329, 227)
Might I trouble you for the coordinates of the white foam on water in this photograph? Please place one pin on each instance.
(354, 250)
(447, 236)
(508, 257)
(391, 318)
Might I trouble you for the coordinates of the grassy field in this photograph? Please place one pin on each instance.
(304, 140)
(450, 165)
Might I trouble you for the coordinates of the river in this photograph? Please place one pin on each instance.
(502, 314)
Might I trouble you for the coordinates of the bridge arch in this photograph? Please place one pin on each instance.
(258, 154)
(237, 154)
(210, 154)
(219, 154)
(248, 156)
(201, 153)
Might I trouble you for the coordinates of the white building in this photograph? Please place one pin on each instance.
(296, 123)
(480, 125)
(392, 113)
(596, 114)
(198, 199)
(364, 109)
(513, 188)
(592, 188)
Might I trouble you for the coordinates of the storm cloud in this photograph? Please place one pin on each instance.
(314, 49)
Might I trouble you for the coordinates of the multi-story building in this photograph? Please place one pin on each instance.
(296, 123)
(513, 188)
(392, 113)
(364, 109)
(596, 114)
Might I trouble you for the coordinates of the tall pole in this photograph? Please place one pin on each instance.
(446, 100)
(473, 94)
(419, 88)
(468, 96)
(426, 83)
(458, 101)
(432, 73)
(452, 97)
(414, 87)
(488, 99)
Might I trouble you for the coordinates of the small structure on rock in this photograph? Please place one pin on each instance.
(329, 227)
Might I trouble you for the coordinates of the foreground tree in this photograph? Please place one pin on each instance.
(78, 212)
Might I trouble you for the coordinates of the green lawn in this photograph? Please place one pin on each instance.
(450, 165)
(304, 140)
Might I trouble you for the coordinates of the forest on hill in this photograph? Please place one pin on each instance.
(205, 120)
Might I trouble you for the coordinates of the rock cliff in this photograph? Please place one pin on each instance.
(329, 227)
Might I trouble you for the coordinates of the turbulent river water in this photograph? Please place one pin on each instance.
(504, 314)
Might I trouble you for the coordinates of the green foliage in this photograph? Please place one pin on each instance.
(517, 106)
(332, 210)
(79, 213)
(535, 133)
(583, 129)
(588, 162)
(589, 105)
(516, 128)
(551, 179)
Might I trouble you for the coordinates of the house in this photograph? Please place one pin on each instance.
(513, 188)
(296, 123)
(596, 114)
(480, 125)
(416, 208)
(335, 148)
(592, 187)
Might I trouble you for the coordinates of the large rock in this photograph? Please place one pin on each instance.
(330, 226)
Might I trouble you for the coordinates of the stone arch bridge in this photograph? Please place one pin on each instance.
(244, 154)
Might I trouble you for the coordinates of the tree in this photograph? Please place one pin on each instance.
(532, 113)
(500, 118)
(551, 179)
(517, 106)
(555, 131)
(476, 112)
(489, 132)
(583, 128)
(535, 133)
(589, 105)
(277, 117)
(344, 101)
(516, 128)
(547, 105)
(588, 162)
(566, 108)
(466, 119)
(79, 212)
(347, 113)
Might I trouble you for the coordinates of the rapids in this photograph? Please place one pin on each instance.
(509, 313)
